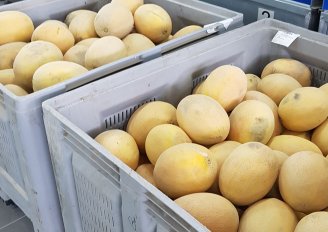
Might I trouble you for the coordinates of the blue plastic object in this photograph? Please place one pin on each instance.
(304, 1)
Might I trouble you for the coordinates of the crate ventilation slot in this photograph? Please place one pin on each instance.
(320, 76)
(199, 79)
(120, 119)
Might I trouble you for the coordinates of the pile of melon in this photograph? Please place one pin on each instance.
(241, 153)
(32, 58)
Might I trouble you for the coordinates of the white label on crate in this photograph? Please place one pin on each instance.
(264, 13)
(284, 38)
(214, 27)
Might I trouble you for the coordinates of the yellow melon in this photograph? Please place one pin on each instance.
(82, 26)
(227, 84)
(137, 43)
(55, 72)
(114, 20)
(320, 137)
(304, 134)
(147, 117)
(248, 173)
(256, 95)
(30, 58)
(277, 86)
(153, 22)
(291, 144)
(87, 42)
(15, 27)
(8, 53)
(73, 14)
(203, 119)
(162, 137)
(120, 144)
(213, 211)
(56, 32)
(197, 88)
(317, 221)
(269, 215)
(324, 88)
(303, 109)
(220, 152)
(252, 81)
(104, 51)
(251, 120)
(290, 67)
(76, 54)
(17, 90)
(146, 171)
(7, 76)
(132, 5)
(186, 30)
(303, 181)
(184, 169)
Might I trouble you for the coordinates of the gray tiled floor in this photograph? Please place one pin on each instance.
(12, 219)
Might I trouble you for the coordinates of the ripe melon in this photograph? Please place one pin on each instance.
(87, 42)
(213, 211)
(76, 54)
(252, 81)
(104, 51)
(320, 137)
(251, 121)
(153, 22)
(277, 86)
(82, 26)
(120, 144)
(55, 72)
(132, 5)
(269, 215)
(303, 181)
(73, 14)
(304, 134)
(30, 58)
(184, 169)
(17, 90)
(317, 221)
(291, 144)
(146, 171)
(220, 152)
(147, 117)
(114, 20)
(248, 173)
(162, 137)
(324, 88)
(227, 84)
(197, 88)
(203, 119)
(303, 109)
(8, 53)
(186, 30)
(56, 32)
(256, 95)
(137, 43)
(7, 76)
(15, 27)
(290, 67)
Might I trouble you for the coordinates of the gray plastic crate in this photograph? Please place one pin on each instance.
(253, 10)
(26, 173)
(94, 185)
(323, 27)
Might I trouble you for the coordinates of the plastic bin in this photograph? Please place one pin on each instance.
(285, 10)
(323, 27)
(26, 174)
(100, 192)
